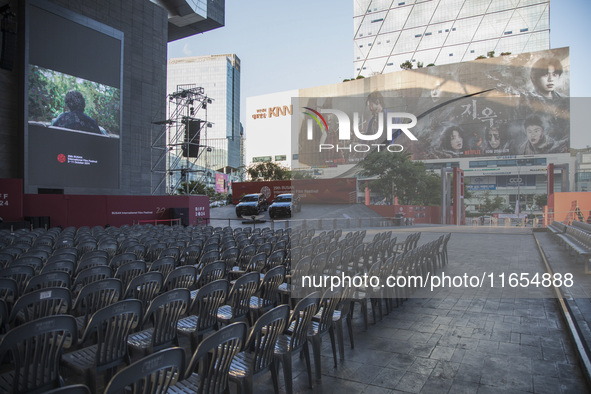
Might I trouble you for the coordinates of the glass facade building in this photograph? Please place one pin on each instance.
(389, 33)
(219, 76)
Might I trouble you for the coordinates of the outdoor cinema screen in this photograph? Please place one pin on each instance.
(73, 102)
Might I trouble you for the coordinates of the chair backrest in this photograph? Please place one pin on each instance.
(8, 290)
(60, 265)
(152, 374)
(144, 287)
(239, 297)
(97, 295)
(48, 279)
(35, 349)
(164, 265)
(263, 337)
(329, 302)
(213, 357)
(90, 275)
(191, 254)
(276, 258)
(126, 272)
(71, 389)
(40, 303)
(112, 325)
(207, 301)
(32, 261)
(269, 286)
(165, 311)
(209, 257)
(300, 319)
(20, 274)
(257, 263)
(181, 277)
(120, 259)
(210, 272)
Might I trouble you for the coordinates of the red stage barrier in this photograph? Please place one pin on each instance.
(83, 210)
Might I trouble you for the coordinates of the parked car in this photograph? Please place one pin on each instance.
(252, 204)
(284, 205)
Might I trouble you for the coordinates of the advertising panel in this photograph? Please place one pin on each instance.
(507, 106)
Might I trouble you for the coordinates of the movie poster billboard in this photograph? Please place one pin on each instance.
(505, 106)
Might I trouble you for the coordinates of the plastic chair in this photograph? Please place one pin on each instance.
(91, 262)
(182, 277)
(32, 261)
(145, 287)
(208, 257)
(258, 356)
(209, 273)
(8, 290)
(295, 338)
(126, 272)
(238, 301)
(60, 265)
(165, 312)
(35, 349)
(20, 274)
(164, 265)
(48, 279)
(120, 259)
(268, 293)
(191, 255)
(324, 325)
(108, 330)
(208, 370)
(95, 296)
(40, 303)
(90, 275)
(152, 374)
(202, 315)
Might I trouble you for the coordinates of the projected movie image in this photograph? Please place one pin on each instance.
(68, 102)
(514, 105)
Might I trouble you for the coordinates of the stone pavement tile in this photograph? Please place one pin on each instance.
(422, 350)
(412, 382)
(330, 385)
(458, 355)
(530, 340)
(484, 389)
(388, 378)
(486, 346)
(569, 371)
(442, 353)
(545, 368)
(423, 366)
(517, 380)
(547, 385)
(553, 354)
(436, 385)
(370, 389)
(464, 387)
(401, 361)
(445, 370)
(469, 372)
(508, 348)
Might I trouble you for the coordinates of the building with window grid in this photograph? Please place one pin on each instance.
(389, 33)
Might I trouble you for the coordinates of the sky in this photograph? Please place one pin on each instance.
(285, 45)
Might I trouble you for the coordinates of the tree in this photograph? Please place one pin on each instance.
(490, 53)
(419, 64)
(541, 200)
(407, 65)
(395, 174)
(268, 171)
(488, 205)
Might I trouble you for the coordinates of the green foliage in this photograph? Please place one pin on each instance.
(505, 53)
(430, 64)
(480, 57)
(407, 65)
(541, 200)
(419, 64)
(490, 53)
(196, 187)
(268, 171)
(397, 175)
(48, 88)
(488, 205)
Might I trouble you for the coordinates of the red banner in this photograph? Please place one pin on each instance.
(11, 199)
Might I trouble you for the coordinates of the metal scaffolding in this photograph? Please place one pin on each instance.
(185, 133)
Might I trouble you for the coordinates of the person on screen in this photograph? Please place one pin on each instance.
(538, 141)
(375, 104)
(453, 141)
(76, 119)
(545, 76)
(495, 140)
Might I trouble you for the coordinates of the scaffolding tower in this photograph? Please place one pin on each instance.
(185, 133)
